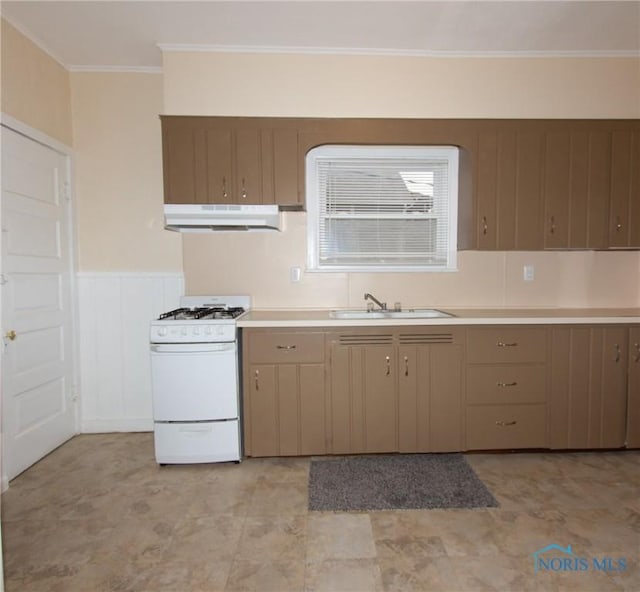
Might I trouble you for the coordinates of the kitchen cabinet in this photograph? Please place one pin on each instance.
(506, 396)
(396, 390)
(624, 212)
(633, 389)
(210, 160)
(284, 395)
(508, 188)
(588, 389)
(576, 189)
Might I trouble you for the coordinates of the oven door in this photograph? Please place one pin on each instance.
(194, 381)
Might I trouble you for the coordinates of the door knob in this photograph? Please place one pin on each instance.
(11, 335)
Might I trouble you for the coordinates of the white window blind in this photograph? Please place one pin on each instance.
(382, 208)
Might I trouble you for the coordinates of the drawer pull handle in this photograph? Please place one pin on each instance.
(286, 347)
(485, 226)
(406, 366)
(388, 362)
(552, 226)
(503, 344)
(507, 383)
(506, 423)
(637, 358)
(256, 379)
(224, 188)
(616, 349)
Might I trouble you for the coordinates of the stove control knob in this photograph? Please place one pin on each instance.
(208, 331)
(196, 330)
(162, 331)
(184, 331)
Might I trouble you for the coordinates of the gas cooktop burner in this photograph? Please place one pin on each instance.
(198, 313)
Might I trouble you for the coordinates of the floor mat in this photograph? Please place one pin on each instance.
(394, 482)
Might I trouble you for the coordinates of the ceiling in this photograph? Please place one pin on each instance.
(98, 35)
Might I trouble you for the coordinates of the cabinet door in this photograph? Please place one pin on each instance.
(184, 165)
(285, 410)
(363, 399)
(624, 217)
(588, 387)
(286, 191)
(429, 398)
(219, 172)
(248, 174)
(633, 394)
(509, 191)
(576, 189)
(261, 431)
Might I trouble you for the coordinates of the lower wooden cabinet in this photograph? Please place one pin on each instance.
(284, 393)
(397, 391)
(440, 389)
(588, 391)
(506, 397)
(633, 390)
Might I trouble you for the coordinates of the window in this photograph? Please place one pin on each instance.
(382, 208)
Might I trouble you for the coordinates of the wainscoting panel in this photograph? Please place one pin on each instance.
(114, 312)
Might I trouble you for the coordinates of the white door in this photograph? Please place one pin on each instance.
(38, 411)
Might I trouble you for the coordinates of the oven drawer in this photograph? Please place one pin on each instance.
(282, 347)
(508, 383)
(495, 427)
(197, 442)
(496, 345)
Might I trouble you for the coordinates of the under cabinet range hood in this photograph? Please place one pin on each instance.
(217, 217)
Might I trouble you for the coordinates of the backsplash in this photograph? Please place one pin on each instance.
(260, 264)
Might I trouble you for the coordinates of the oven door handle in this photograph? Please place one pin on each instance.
(192, 348)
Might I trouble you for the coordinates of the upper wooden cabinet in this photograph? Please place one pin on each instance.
(524, 184)
(508, 188)
(229, 161)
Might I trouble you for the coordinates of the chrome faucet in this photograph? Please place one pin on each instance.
(382, 305)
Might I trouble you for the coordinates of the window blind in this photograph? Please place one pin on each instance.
(377, 209)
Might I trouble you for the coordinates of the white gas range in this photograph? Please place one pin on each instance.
(194, 375)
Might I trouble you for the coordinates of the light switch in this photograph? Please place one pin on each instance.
(528, 273)
(294, 274)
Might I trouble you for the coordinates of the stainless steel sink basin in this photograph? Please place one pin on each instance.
(410, 313)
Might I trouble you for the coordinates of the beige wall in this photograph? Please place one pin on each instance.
(369, 86)
(118, 177)
(35, 88)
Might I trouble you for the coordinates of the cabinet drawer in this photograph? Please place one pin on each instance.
(506, 344)
(506, 384)
(492, 427)
(286, 347)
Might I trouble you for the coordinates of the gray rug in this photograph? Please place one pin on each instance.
(395, 482)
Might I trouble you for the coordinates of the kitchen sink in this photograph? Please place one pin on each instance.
(410, 313)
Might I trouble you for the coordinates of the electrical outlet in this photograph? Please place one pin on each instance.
(294, 274)
(528, 273)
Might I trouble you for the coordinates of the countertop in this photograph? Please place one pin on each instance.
(463, 316)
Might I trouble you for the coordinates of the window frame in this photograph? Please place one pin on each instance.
(313, 202)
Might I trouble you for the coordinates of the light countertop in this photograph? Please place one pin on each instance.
(463, 316)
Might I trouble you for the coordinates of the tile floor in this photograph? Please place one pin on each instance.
(99, 514)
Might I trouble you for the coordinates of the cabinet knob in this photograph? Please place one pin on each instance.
(256, 379)
(388, 363)
(618, 224)
(11, 335)
(406, 366)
